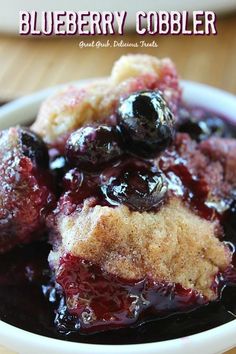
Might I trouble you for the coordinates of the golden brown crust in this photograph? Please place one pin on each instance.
(174, 244)
(73, 107)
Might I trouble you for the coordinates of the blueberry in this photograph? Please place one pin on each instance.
(33, 147)
(217, 127)
(79, 186)
(134, 183)
(202, 127)
(229, 222)
(57, 163)
(147, 122)
(73, 180)
(92, 147)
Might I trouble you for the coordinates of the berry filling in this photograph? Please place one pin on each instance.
(93, 146)
(108, 302)
(134, 183)
(201, 125)
(144, 226)
(94, 299)
(26, 195)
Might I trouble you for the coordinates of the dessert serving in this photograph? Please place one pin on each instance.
(117, 212)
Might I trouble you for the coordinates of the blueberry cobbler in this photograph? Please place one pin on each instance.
(118, 212)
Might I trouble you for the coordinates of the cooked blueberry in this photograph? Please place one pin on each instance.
(147, 122)
(79, 186)
(93, 146)
(217, 126)
(33, 147)
(58, 164)
(134, 183)
(202, 127)
(229, 222)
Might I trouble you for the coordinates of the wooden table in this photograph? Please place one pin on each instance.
(29, 64)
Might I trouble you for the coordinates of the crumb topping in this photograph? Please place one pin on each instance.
(73, 107)
(174, 244)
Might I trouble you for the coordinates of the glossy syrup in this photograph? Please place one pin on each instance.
(29, 300)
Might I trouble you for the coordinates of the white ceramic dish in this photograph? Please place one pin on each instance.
(214, 341)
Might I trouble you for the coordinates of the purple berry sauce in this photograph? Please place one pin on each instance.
(29, 298)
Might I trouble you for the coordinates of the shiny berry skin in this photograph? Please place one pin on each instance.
(78, 186)
(58, 166)
(202, 128)
(33, 147)
(134, 183)
(229, 222)
(147, 122)
(91, 147)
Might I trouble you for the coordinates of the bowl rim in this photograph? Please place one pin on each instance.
(223, 333)
(204, 338)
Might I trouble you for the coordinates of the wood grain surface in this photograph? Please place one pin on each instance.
(30, 64)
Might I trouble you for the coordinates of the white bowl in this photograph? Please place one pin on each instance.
(213, 341)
